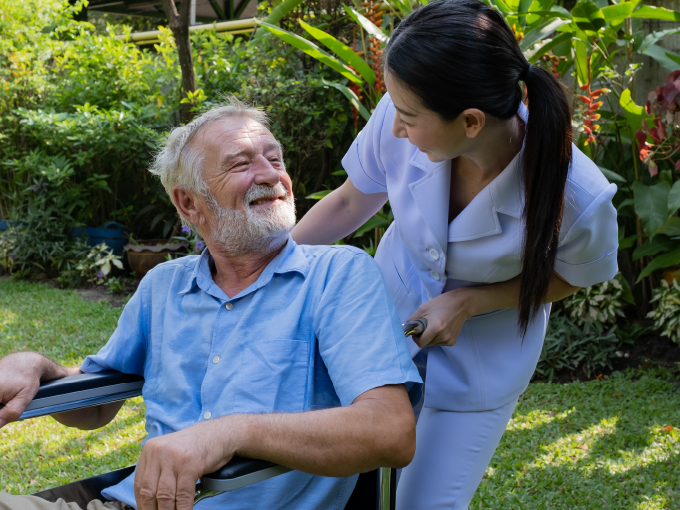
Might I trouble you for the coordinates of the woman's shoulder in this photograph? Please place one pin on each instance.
(587, 189)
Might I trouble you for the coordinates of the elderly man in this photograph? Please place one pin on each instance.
(258, 347)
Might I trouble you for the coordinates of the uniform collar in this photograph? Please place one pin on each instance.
(505, 195)
(291, 258)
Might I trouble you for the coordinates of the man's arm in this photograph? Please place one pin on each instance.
(377, 429)
(20, 376)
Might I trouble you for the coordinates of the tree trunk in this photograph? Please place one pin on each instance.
(179, 24)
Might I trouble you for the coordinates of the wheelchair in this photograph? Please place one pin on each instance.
(375, 490)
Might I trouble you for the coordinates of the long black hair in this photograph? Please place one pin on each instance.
(459, 54)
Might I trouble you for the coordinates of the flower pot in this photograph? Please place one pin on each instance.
(113, 234)
(151, 252)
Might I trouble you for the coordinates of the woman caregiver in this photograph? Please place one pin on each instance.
(496, 215)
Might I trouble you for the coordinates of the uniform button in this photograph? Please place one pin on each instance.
(207, 415)
(434, 254)
(216, 360)
(429, 296)
(229, 306)
(434, 274)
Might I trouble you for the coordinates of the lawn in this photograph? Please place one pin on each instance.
(608, 444)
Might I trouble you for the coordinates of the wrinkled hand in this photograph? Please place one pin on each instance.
(19, 382)
(445, 316)
(170, 465)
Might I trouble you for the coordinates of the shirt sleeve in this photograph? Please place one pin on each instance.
(126, 349)
(360, 337)
(362, 161)
(587, 254)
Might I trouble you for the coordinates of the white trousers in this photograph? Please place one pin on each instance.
(453, 450)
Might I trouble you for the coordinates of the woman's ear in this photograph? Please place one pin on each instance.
(473, 122)
(187, 205)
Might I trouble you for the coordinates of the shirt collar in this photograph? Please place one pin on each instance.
(291, 258)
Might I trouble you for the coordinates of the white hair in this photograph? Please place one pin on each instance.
(177, 164)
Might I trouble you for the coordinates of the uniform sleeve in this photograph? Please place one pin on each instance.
(362, 161)
(360, 337)
(126, 349)
(587, 254)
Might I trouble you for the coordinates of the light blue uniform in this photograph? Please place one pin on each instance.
(422, 255)
(316, 330)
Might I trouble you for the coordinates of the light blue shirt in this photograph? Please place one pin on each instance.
(316, 330)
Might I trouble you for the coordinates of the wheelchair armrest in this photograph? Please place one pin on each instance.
(84, 390)
(240, 472)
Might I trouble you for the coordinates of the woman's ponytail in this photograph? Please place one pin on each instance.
(459, 54)
(546, 161)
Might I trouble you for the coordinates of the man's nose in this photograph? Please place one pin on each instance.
(265, 173)
(398, 129)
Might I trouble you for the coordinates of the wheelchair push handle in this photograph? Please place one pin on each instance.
(415, 327)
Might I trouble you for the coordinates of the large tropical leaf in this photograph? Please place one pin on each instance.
(587, 16)
(366, 24)
(277, 14)
(351, 96)
(660, 262)
(618, 12)
(634, 114)
(532, 55)
(671, 228)
(674, 198)
(649, 12)
(667, 58)
(342, 51)
(541, 32)
(612, 176)
(312, 50)
(651, 205)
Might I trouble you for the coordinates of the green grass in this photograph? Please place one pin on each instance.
(610, 444)
(41, 453)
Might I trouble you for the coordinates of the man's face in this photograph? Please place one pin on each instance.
(250, 204)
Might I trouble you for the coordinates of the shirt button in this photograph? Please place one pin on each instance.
(434, 274)
(207, 415)
(229, 306)
(429, 296)
(216, 360)
(434, 254)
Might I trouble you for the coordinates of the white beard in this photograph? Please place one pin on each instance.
(238, 232)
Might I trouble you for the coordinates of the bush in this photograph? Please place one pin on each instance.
(667, 313)
(569, 346)
(600, 303)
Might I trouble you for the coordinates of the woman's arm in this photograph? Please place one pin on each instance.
(447, 313)
(337, 215)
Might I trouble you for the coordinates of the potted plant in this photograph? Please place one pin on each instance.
(145, 254)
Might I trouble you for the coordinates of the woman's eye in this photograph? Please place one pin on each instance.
(401, 121)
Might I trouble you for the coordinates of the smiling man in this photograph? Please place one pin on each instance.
(258, 347)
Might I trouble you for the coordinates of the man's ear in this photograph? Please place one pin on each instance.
(474, 121)
(187, 205)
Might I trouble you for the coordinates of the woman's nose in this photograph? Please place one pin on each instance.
(398, 128)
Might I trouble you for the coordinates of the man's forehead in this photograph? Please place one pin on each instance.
(232, 132)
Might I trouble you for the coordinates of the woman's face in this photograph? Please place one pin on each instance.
(424, 128)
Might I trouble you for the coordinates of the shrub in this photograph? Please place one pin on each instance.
(599, 303)
(568, 346)
(667, 313)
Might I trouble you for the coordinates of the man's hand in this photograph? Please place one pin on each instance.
(20, 376)
(170, 465)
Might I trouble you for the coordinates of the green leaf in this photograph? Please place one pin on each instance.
(661, 262)
(117, 263)
(674, 198)
(667, 58)
(587, 16)
(617, 12)
(634, 113)
(671, 227)
(581, 60)
(627, 242)
(651, 248)
(651, 205)
(351, 96)
(319, 194)
(379, 220)
(649, 12)
(540, 32)
(533, 56)
(342, 51)
(312, 50)
(364, 23)
(282, 10)
(655, 37)
(612, 176)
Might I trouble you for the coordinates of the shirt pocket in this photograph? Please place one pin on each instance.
(273, 377)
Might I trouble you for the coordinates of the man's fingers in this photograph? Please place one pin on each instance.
(184, 494)
(12, 410)
(146, 483)
(166, 490)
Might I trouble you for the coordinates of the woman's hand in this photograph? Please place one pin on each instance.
(445, 316)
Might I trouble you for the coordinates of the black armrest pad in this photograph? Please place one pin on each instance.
(237, 467)
(85, 382)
